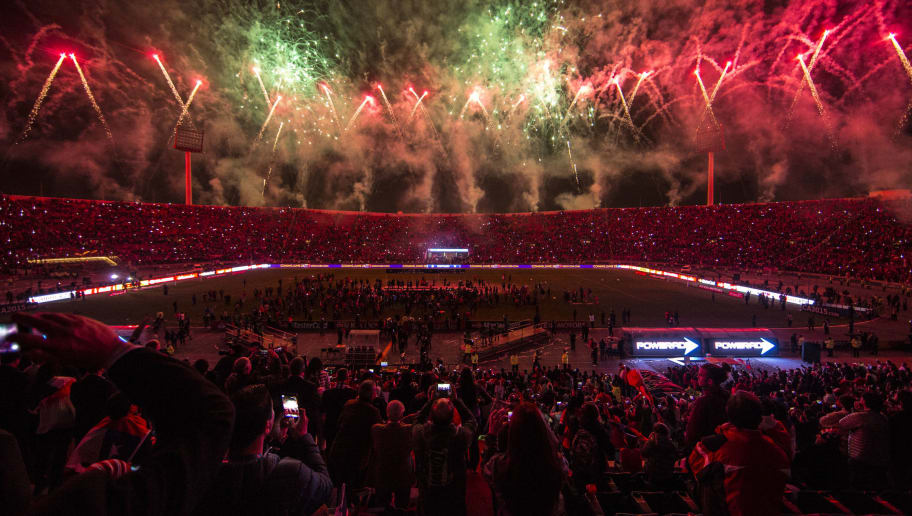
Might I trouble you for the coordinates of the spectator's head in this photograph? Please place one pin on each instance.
(710, 375)
(117, 406)
(314, 367)
(660, 430)
(296, 367)
(201, 365)
(442, 411)
(253, 416)
(366, 391)
(341, 375)
(744, 410)
(395, 410)
(847, 402)
(872, 401)
(242, 366)
(589, 415)
(153, 345)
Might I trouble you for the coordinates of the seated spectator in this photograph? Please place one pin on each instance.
(740, 470)
(660, 453)
(391, 468)
(252, 482)
(526, 479)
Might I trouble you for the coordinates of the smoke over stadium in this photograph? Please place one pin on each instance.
(455, 106)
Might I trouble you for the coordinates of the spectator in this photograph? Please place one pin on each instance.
(740, 470)
(192, 417)
(440, 456)
(526, 479)
(590, 447)
(305, 391)
(708, 410)
(90, 395)
(869, 443)
(241, 376)
(660, 453)
(118, 435)
(334, 400)
(255, 482)
(391, 469)
(350, 452)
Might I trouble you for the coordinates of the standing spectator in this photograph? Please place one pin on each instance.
(391, 468)
(741, 470)
(306, 393)
(14, 415)
(241, 376)
(440, 456)
(526, 478)
(708, 410)
(333, 401)
(590, 447)
(869, 443)
(252, 482)
(350, 452)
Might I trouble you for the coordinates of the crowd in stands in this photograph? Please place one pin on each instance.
(96, 424)
(861, 238)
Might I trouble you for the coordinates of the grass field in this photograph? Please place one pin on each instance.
(647, 298)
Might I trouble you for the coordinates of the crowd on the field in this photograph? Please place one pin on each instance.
(98, 425)
(861, 238)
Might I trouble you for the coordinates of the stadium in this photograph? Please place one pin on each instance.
(496, 258)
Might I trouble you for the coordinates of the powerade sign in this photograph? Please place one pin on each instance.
(742, 347)
(664, 344)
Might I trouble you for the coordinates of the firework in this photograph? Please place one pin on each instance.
(633, 129)
(820, 109)
(636, 87)
(902, 55)
(367, 100)
(706, 99)
(33, 114)
(180, 101)
(88, 91)
(332, 107)
(810, 67)
(573, 165)
(268, 118)
(272, 157)
(390, 109)
(585, 89)
(185, 109)
(417, 103)
(256, 72)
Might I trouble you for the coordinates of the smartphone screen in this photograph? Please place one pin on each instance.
(5, 331)
(290, 407)
(443, 390)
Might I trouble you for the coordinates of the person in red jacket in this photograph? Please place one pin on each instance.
(742, 464)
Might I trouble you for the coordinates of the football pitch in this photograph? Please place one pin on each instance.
(648, 298)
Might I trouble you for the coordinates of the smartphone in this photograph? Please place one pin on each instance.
(290, 407)
(509, 414)
(384, 364)
(5, 331)
(443, 390)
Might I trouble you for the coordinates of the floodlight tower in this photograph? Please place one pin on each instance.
(189, 140)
